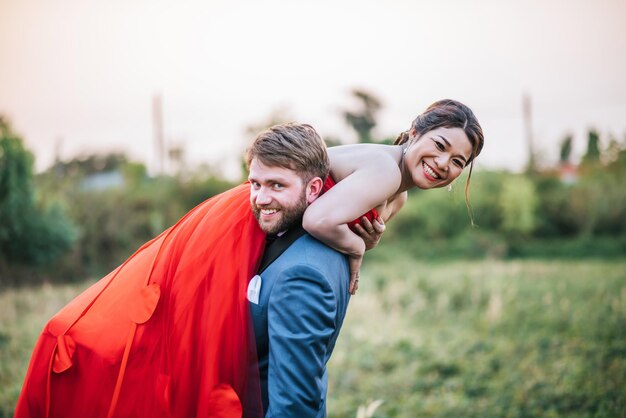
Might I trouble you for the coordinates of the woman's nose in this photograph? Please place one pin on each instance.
(442, 161)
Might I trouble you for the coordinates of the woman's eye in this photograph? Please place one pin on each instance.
(459, 163)
(440, 146)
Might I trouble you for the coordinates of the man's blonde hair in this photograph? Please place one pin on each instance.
(294, 146)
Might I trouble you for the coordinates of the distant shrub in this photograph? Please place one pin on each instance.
(113, 223)
(32, 231)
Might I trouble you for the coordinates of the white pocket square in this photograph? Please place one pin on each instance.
(254, 289)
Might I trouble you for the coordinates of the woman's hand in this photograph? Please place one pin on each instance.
(370, 232)
(355, 267)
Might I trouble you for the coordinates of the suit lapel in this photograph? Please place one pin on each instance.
(275, 249)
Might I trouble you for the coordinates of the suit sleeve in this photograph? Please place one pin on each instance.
(301, 320)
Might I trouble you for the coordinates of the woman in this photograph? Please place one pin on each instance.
(441, 142)
(167, 333)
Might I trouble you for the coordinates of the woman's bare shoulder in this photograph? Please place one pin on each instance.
(346, 159)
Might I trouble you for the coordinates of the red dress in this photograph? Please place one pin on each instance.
(166, 334)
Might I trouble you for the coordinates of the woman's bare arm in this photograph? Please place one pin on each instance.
(369, 185)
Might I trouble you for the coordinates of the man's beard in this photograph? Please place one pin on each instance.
(289, 216)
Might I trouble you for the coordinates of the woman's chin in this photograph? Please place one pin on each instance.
(426, 184)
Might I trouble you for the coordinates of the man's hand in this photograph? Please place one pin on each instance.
(370, 232)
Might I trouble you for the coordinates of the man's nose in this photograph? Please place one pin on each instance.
(262, 197)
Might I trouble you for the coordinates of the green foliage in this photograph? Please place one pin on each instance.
(431, 215)
(556, 217)
(598, 200)
(115, 221)
(566, 149)
(593, 148)
(435, 223)
(31, 231)
(518, 201)
(581, 247)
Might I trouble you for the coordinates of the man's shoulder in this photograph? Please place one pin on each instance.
(307, 251)
(309, 258)
(307, 244)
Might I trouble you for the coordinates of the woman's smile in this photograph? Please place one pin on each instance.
(429, 172)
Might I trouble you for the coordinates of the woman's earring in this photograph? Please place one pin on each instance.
(450, 187)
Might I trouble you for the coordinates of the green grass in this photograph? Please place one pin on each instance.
(23, 313)
(484, 339)
(448, 339)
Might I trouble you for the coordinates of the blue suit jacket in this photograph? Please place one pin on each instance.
(302, 304)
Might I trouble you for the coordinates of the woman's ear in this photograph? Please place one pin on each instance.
(314, 189)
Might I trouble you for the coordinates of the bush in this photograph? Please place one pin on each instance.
(32, 232)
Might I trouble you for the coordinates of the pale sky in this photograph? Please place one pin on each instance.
(82, 73)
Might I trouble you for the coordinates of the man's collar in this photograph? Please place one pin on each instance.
(276, 247)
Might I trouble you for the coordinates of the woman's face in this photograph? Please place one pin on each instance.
(437, 157)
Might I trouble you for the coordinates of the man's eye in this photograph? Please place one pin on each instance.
(277, 186)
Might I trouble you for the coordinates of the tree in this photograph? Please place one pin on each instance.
(593, 147)
(30, 233)
(363, 121)
(566, 150)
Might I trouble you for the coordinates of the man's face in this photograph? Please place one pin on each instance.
(278, 196)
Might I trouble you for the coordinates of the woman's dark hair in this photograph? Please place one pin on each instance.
(450, 114)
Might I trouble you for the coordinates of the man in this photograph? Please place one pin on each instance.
(299, 299)
(167, 334)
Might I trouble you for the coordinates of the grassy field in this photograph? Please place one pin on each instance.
(454, 339)
(23, 313)
(485, 339)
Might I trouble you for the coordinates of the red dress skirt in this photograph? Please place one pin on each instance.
(166, 334)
